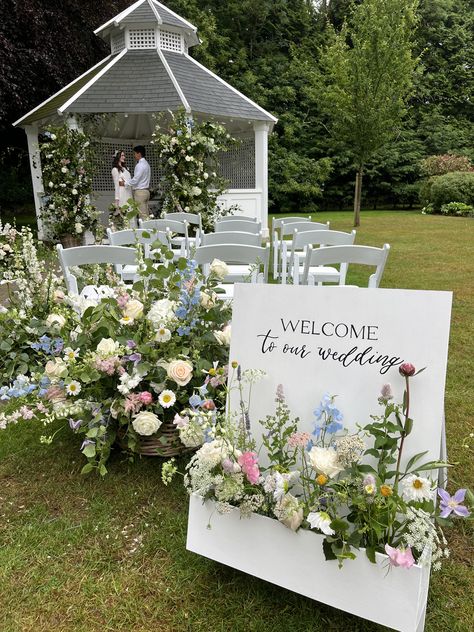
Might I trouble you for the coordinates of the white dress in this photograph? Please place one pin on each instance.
(122, 194)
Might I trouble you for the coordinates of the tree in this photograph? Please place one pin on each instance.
(368, 70)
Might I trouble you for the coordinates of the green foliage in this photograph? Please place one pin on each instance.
(457, 186)
(458, 208)
(67, 164)
(189, 152)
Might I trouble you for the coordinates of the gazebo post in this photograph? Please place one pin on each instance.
(36, 173)
(261, 131)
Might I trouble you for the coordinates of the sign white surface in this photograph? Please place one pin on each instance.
(347, 342)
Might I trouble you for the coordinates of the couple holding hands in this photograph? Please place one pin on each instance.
(137, 187)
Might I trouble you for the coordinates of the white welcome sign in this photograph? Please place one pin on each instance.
(347, 342)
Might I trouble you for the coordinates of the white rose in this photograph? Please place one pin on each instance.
(180, 371)
(56, 319)
(208, 301)
(133, 309)
(146, 423)
(64, 169)
(55, 368)
(213, 452)
(219, 269)
(50, 184)
(78, 227)
(223, 337)
(161, 311)
(196, 191)
(107, 347)
(74, 191)
(324, 461)
(53, 136)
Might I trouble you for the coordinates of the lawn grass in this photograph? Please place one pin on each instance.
(82, 554)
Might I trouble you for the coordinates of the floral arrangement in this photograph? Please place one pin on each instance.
(34, 293)
(351, 488)
(189, 154)
(144, 363)
(67, 164)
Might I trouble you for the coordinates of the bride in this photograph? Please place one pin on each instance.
(120, 175)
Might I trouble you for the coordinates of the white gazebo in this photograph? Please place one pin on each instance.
(147, 71)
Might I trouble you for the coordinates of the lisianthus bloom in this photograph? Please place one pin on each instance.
(452, 504)
(417, 488)
(320, 520)
(248, 461)
(406, 369)
(400, 557)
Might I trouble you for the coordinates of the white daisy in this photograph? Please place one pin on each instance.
(417, 488)
(320, 520)
(73, 388)
(70, 354)
(126, 320)
(163, 334)
(167, 398)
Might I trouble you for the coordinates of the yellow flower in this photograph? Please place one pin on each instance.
(322, 479)
(386, 490)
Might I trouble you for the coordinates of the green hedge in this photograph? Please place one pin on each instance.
(457, 186)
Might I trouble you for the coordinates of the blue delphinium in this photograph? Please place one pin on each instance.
(329, 416)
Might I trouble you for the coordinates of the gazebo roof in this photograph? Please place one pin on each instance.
(155, 76)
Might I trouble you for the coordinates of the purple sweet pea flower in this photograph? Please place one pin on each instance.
(131, 344)
(450, 504)
(74, 425)
(135, 357)
(85, 443)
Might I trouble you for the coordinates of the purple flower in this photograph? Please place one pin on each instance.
(131, 344)
(451, 504)
(386, 391)
(85, 443)
(74, 425)
(135, 357)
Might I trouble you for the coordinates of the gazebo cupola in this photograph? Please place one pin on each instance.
(148, 25)
(148, 71)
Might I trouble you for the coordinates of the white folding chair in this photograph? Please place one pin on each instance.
(314, 238)
(244, 262)
(239, 225)
(193, 219)
(333, 255)
(87, 255)
(132, 236)
(180, 227)
(231, 237)
(277, 223)
(230, 218)
(288, 230)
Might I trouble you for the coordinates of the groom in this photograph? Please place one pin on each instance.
(141, 181)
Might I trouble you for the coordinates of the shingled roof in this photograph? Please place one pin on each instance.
(150, 79)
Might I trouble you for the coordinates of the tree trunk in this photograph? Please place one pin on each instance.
(357, 196)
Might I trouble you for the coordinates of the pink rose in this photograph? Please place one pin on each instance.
(208, 404)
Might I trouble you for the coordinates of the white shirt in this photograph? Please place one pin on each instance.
(141, 175)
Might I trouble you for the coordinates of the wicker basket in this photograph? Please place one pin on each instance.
(71, 241)
(164, 443)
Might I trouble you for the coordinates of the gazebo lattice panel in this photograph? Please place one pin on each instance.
(142, 38)
(171, 41)
(238, 164)
(118, 43)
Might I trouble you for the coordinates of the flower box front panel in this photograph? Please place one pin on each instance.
(266, 549)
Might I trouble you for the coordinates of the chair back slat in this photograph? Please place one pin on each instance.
(234, 254)
(231, 237)
(231, 218)
(322, 238)
(193, 219)
(175, 226)
(301, 227)
(239, 225)
(129, 237)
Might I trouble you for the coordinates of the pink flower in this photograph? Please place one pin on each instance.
(208, 404)
(406, 369)
(400, 557)
(181, 422)
(146, 397)
(122, 300)
(299, 439)
(55, 394)
(248, 461)
(132, 403)
(41, 407)
(26, 412)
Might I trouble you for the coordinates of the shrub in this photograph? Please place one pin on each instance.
(457, 186)
(445, 163)
(458, 208)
